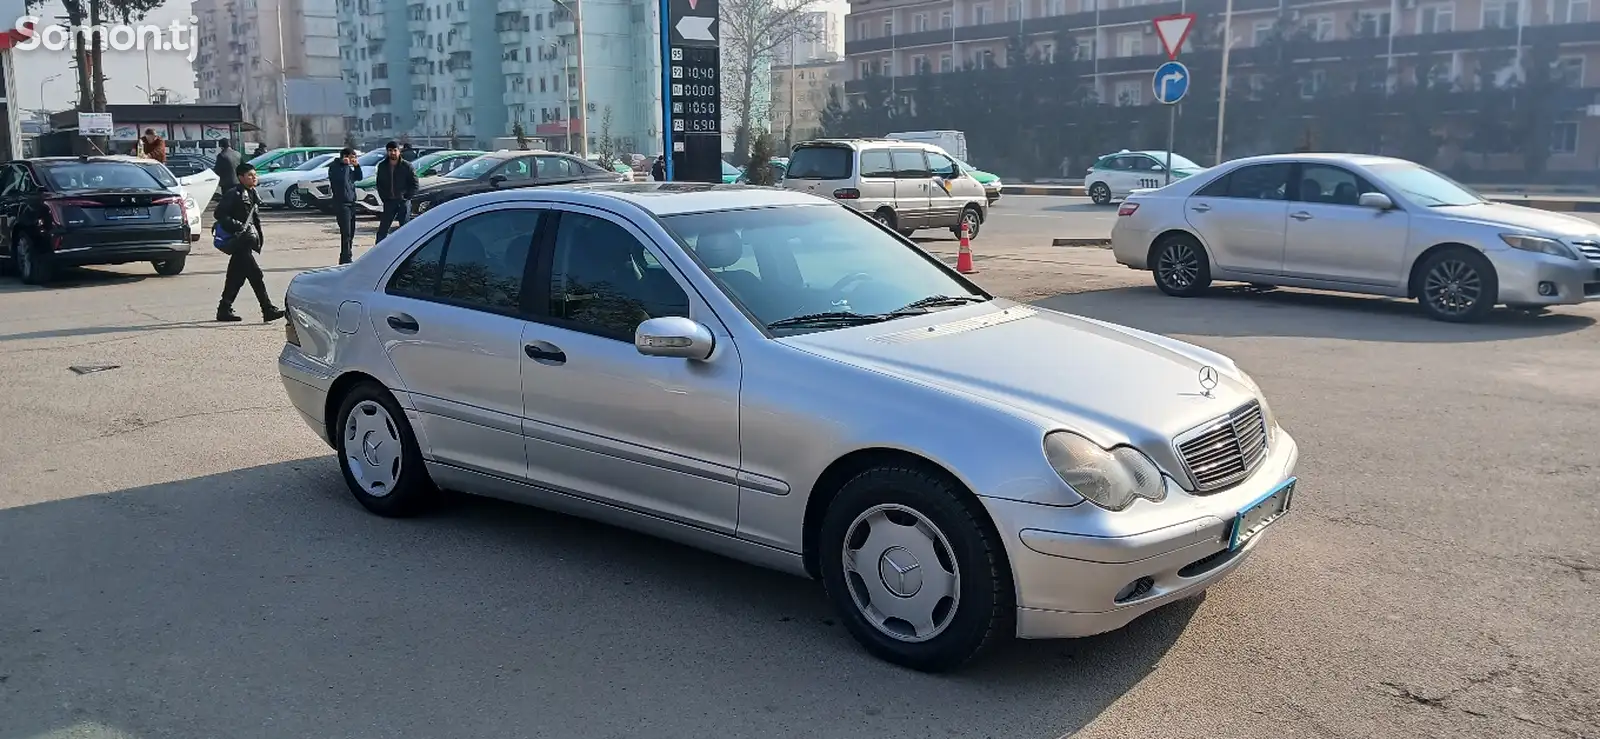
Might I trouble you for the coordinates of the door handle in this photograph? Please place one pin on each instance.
(544, 352)
(404, 324)
(1301, 216)
(1201, 208)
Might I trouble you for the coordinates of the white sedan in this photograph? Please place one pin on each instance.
(292, 188)
(196, 189)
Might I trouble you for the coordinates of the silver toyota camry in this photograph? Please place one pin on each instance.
(1357, 223)
(773, 377)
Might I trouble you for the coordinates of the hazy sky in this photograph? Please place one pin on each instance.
(170, 69)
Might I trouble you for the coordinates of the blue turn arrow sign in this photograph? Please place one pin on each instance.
(1171, 83)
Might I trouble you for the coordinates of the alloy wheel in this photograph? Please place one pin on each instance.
(1453, 287)
(372, 448)
(901, 572)
(1178, 267)
(296, 199)
(969, 218)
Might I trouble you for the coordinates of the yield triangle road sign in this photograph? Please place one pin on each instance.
(1173, 30)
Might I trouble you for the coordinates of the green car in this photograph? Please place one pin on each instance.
(289, 158)
(730, 173)
(780, 166)
(427, 165)
(991, 183)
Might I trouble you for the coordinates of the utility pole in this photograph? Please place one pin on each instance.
(283, 79)
(576, 8)
(1222, 97)
(794, 51)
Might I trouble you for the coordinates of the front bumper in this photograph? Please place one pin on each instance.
(1067, 580)
(1521, 272)
(274, 194)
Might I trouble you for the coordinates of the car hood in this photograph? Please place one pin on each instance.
(1517, 216)
(442, 184)
(289, 176)
(1114, 383)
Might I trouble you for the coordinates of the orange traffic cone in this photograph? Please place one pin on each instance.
(964, 258)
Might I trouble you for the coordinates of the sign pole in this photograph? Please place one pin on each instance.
(1172, 133)
(1171, 80)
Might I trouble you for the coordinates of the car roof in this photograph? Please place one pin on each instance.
(94, 158)
(1331, 157)
(866, 143)
(662, 198)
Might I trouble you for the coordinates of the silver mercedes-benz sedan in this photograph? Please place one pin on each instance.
(1362, 224)
(773, 377)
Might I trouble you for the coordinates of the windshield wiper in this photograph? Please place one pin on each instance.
(832, 318)
(933, 301)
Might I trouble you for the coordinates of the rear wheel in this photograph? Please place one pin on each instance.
(1457, 285)
(916, 575)
(971, 219)
(1180, 266)
(885, 217)
(379, 455)
(171, 267)
(33, 265)
(1100, 193)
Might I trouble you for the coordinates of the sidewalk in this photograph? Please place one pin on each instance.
(1560, 203)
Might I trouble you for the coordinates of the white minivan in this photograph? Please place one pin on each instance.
(903, 185)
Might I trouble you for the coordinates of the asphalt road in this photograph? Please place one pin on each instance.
(180, 557)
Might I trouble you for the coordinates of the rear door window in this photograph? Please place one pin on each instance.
(1260, 182)
(821, 163)
(909, 164)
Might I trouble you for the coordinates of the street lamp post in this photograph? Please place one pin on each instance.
(42, 83)
(1222, 95)
(576, 8)
(283, 79)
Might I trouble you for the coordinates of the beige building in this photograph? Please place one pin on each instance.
(1116, 41)
(273, 57)
(799, 95)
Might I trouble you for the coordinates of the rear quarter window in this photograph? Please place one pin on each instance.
(821, 163)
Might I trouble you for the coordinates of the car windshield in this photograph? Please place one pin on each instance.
(476, 168)
(1424, 185)
(317, 162)
(162, 174)
(370, 158)
(729, 169)
(99, 175)
(809, 267)
(819, 163)
(1177, 161)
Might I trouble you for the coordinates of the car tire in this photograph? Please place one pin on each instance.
(1457, 285)
(171, 267)
(907, 232)
(1180, 266)
(942, 537)
(295, 199)
(1100, 193)
(973, 221)
(886, 217)
(390, 482)
(33, 266)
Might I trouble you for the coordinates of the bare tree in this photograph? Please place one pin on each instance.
(751, 31)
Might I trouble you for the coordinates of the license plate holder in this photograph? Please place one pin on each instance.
(1256, 517)
(126, 214)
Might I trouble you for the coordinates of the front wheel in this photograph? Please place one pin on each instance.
(379, 455)
(296, 199)
(1458, 286)
(171, 267)
(1181, 267)
(1100, 193)
(971, 219)
(33, 265)
(916, 575)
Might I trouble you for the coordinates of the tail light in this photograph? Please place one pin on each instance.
(183, 210)
(58, 210)
(846, 193)
(290, 335)
(1128, 209)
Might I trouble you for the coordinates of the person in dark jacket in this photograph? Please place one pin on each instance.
(658, 171)
(407, 153)
(227, 167)
(343, 174)
(397, 184)
(239, 215)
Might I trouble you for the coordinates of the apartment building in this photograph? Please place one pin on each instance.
(1115, 40)
(426, 68)
(278, 59)
(799, 95)
(822, 38)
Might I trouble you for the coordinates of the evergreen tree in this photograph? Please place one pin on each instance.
(832, 118)
(762, 150)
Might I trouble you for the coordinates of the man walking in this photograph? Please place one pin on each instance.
(343, 174)
(397, 184)
(227, 167)
(239, 216)
(658, 171)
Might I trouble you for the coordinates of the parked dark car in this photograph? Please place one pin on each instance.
(507, 170)
(72, 211)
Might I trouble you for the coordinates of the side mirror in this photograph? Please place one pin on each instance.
(497, 179)
(1376, 201)
(674, 336)
(1158, 168)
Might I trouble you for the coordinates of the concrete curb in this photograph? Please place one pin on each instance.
(1551, 203)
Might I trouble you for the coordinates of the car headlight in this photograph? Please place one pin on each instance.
(1270, 418)
(1540, 244)
(1109, 478)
